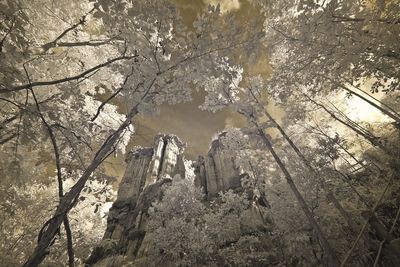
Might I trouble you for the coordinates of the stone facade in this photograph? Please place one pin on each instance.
(147, 170)
(217, 171)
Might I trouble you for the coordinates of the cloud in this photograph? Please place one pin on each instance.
(226, 5)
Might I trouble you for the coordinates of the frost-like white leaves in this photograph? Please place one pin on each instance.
(189, 170)
(108, 120)
(224, 89)
(159, 39)
(89, 218)
(233, 140)
(224, 5)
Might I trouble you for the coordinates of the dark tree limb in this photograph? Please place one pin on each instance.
(54, 43)
(8, 120)
(86, 43)
(338, 19)
(70, 198)
(8, 138)
(70, 247)
(59, 174)
(7, 33)
(67, 79)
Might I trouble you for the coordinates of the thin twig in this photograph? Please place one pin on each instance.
(100, 108)
(53, 43)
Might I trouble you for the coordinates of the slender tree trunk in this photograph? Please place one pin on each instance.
(324, 186)
(372, 139)
(70, 198)
(331, 258)
(394, 112)
(70, 249)
(381, 109)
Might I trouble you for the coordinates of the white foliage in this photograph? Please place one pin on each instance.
(189, 170)
(224, 89)
(108, 120)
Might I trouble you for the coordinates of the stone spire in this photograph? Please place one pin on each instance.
(217, 171)
(147, 170)
(145, 166)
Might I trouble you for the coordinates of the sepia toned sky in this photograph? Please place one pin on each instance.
(194, 126)
(186, 120)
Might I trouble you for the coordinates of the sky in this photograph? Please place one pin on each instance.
(197, 128)
(193, 126)
(186, 120)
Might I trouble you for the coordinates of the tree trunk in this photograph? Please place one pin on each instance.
(372, 139)
(70, 199)
(324, 186)
(381, 109)
(392, 251)
(331, 259)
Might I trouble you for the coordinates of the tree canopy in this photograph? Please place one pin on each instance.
(74, 75)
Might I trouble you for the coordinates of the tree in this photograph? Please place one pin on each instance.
(223, 93)
(184, 230)
(245, 97)
(325, 46)
(149, 56)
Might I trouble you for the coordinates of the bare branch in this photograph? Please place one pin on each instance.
(59, 174)
(54, 43)
(67, 79)
(100, 108)
(7, 33)
(85, 43)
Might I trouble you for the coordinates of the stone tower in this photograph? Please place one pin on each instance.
(217, 171)
(147, 170)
